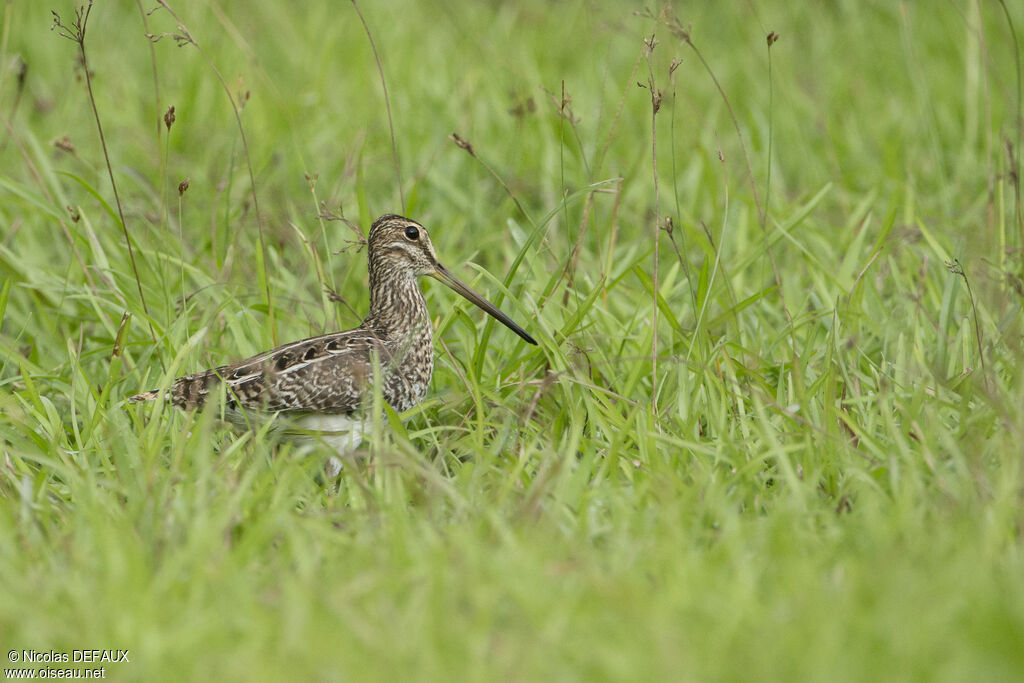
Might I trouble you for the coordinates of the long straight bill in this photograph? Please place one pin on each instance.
(445, 276)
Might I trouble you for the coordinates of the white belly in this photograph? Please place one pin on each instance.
(342, 433)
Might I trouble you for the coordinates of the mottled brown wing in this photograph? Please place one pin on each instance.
(322, 374)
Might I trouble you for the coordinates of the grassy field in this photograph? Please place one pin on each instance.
(773, 428)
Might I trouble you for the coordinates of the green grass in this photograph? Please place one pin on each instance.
(820, 478)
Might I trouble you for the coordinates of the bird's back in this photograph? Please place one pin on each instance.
(325, 374)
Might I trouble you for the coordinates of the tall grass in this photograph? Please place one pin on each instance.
(772, 430)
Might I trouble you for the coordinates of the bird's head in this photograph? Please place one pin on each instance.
(399, 246)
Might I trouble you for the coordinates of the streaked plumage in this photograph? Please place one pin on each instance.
(322, 382)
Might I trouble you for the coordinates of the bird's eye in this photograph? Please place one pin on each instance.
(412, 233)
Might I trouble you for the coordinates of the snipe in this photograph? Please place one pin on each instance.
(322, 382)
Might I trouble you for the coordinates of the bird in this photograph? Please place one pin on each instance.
(322, 386)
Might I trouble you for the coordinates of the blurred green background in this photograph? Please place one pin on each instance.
(808, 468)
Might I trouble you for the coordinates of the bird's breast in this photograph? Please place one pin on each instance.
(407, 383)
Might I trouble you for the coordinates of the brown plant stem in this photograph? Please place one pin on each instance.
(387, 103)
(76, 33)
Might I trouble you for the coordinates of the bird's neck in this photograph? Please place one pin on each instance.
(397, 306)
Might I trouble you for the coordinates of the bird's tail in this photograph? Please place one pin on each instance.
(187, 392)
(145, 396)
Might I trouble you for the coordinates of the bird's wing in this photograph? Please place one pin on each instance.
(329, 374)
